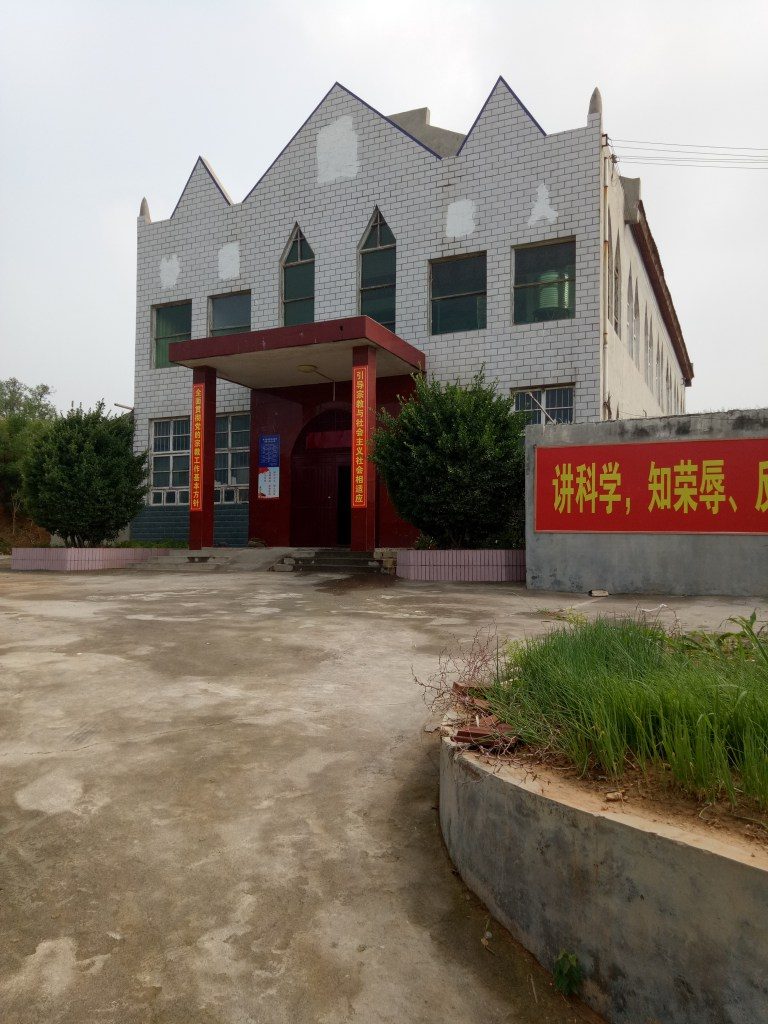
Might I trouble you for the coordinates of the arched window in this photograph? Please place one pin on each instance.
(630, 323)
(657, 377)
(377, 273)
(298, 281)
(617, 292)
(647, 350)
(636, 330)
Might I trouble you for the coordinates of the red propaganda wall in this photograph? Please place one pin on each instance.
(709, 486)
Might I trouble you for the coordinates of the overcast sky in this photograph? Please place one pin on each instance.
(104, 102)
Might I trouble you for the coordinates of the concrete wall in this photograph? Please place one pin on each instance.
(644, 563)
(665, 930)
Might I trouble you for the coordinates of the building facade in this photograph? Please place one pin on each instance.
(374, 247)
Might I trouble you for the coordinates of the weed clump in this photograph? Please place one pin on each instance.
(614, 694)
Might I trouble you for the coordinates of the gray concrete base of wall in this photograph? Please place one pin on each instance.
(669, 926)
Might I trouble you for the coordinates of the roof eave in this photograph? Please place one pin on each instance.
(644, 239)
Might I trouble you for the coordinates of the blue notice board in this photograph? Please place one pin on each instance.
(269, 466)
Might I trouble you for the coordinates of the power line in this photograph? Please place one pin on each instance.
(693, 155)
(690, 145)
(681, 163)
(674, 154)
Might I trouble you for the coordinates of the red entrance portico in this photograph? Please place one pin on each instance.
(315, 390)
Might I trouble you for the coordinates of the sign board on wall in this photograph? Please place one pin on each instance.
(359, 437)
(656, 487)
(269, 466)
(196, 462)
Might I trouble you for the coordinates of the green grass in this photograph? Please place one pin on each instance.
(614, 694)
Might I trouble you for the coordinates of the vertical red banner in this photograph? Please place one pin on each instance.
(359, 437)
(196, 461)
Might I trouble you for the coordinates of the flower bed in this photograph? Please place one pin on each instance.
(489, 565)
(79, 559)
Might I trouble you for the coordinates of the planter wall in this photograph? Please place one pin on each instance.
(669, 925)
(491, 566)
(80, 559)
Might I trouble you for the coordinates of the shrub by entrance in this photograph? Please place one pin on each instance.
(454, 464)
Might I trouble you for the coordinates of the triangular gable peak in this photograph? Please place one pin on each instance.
(502, 103)
(202, 188)
(350, 102)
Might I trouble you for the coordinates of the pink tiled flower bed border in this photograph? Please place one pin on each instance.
(79, 559)
(482, 566)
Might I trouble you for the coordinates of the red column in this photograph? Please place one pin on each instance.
(363, 471)
(202, 457)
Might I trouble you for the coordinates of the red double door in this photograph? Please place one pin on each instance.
(321, 514)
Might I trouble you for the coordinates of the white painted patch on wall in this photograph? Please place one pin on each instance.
(170, 268)
(460, 218)
(336, 151)
(229, 261)
(543, 210)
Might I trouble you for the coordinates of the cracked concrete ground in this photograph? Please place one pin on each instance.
(218, 803)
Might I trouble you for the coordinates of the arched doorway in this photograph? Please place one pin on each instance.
(321, 481)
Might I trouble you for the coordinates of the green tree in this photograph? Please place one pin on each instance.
(82, 479)
(32, 403)
(24, 410)
(453, 461)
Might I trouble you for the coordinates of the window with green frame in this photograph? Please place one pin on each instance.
(230, 314)
(298, 281)
(458, 294)
(171, 323)
(545, 282)
(377, 273)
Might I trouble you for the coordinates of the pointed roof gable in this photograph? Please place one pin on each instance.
(503, 98)
(201, 182)
(336, 88)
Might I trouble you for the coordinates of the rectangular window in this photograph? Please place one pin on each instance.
(233, 449)
(545, 282)
(171, 323)
(230, 314)
(458, 294)
(546, 405)
(169, 470)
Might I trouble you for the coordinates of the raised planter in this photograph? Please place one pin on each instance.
(80, 559)
(490, 565)
(668, 924)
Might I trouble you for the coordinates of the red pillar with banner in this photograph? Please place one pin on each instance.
(363, 471)
(202, 457)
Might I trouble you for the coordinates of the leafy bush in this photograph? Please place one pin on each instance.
(453, 462)
(611, 694)
(568, 973)
(24, 410)
(82, 479)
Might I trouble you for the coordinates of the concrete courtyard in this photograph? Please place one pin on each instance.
(218, 802)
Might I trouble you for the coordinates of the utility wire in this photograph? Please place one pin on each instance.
(672, 154)
(690, 145)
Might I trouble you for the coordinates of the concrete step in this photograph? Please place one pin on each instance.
(330, 560)
(346, 568)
